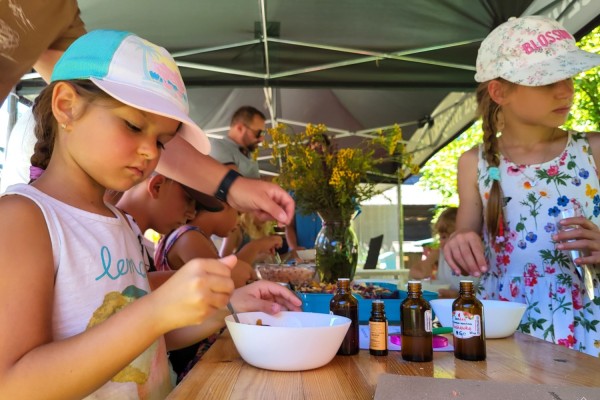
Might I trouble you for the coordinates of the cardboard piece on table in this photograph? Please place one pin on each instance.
(391, 387)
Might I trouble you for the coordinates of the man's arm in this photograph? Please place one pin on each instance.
(203, 173)
(45, 63)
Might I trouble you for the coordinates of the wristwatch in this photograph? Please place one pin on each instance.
(225, 184)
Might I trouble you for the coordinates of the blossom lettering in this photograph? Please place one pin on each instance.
(545, 40)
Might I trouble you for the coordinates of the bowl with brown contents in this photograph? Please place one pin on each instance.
(297, 275)
(289, 340)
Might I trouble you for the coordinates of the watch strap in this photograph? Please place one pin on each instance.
(225, 184)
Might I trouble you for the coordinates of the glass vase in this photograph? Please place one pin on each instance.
(337, 251)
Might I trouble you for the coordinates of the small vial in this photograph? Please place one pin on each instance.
(378, 330)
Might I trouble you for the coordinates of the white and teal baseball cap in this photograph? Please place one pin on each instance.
(135, 72)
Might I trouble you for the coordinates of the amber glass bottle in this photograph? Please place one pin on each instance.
(378, 330)
(468, 326)
(346, 305)
(416, 327)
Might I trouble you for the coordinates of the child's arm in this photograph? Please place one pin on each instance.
(265, 296)
(424, 268)
(266, 245)
(201, 172)
(587, 236)
(464, 248)
(231, 242)
(290, 235)
(193, 244)
(35, 365)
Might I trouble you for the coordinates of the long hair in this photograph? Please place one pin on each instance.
(46, 126)
(253, 228)
(489, 111)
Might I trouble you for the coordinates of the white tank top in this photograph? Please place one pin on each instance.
(99, 269)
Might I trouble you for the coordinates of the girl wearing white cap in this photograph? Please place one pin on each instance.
(527, 170)
(78, 317)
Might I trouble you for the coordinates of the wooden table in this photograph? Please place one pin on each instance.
(222, 374)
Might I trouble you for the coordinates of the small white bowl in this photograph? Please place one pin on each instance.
(502, 318)
(294, 341)
(307, 254)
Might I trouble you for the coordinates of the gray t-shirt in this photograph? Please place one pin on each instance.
(226, 151)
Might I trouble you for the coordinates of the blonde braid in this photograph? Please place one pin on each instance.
(488, 110)
(45, 128)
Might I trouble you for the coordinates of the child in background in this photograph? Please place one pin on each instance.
(434, 266)
(252, 240)
(524, 173)
(92, 327)
(163, 205)
(193, 241)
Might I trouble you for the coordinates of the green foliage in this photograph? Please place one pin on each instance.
(328, 180)
(585, 114)
(439, 173)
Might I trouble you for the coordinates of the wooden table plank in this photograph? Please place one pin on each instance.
(222, 374)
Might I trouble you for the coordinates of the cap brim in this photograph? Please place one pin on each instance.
(204, 201)
(148, 101)
(557, 69)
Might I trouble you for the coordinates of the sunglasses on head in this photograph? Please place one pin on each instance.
(257, 132)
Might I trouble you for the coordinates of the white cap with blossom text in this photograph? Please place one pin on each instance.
(531, 51)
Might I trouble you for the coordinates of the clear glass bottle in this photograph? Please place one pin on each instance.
(346, 305)
(416, 325)
(378, 330)
(468, 327)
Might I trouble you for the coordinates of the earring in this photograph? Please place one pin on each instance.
(499, 120)
(63, 125)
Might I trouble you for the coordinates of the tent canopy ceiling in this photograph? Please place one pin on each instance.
(354, 65)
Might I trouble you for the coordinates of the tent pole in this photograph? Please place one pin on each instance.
(400, 220)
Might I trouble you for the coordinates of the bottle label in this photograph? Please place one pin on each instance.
(378, 335)
(428, 321)
(465, 325)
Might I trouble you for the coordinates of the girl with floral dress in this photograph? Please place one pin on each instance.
(514, 185)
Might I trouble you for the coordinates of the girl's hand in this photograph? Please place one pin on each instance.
(195, 292)
(268, 244)
(266, 296)
(464, 253)
(585, 237)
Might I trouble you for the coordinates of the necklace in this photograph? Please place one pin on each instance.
(520, 168)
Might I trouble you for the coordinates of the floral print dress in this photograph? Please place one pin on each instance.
(524, 265)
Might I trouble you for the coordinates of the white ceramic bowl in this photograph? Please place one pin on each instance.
(294, 341)
(307, 254)
(501, 317)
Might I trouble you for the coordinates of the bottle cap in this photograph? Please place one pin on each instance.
(414, 286)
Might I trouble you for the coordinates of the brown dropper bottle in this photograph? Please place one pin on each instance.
(346, 305)
(416, 326)
(468, 326)
(378, 330)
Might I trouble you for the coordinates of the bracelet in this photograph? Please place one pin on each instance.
(225, 184)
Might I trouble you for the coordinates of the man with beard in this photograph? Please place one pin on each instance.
(246, 132)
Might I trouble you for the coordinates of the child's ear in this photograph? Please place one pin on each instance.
(155, 184)
(497, 91)
(67, 105)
